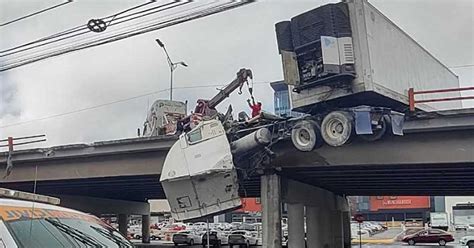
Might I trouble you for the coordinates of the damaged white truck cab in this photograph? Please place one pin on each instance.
(198, 176)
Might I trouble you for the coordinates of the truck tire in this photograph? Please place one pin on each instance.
(337, 128)
(377, 133)
(306, 135)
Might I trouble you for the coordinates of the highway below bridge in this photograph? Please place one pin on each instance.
(434, 157)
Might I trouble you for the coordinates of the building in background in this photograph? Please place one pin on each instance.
(397, 208)
(250, 212)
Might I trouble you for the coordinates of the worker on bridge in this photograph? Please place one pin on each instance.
(256, 107)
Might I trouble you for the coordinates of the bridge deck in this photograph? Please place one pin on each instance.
(435, 157)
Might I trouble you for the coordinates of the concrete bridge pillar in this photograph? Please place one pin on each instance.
(146, 228)
(337, 229)
(324, 214)
(346, 227)
(296, 225)
(314, 227)
(271, 209)
(122, 220)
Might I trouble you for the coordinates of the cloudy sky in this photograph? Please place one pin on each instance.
(214, 47)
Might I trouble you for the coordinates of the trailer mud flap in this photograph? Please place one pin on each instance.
(397, 121)
(363, 122)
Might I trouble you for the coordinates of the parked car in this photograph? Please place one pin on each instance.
(242, 237)
(467, 241)
(155, 234)
(186, 237)
(135, 231)
(429, 236)
(461, 227)
(414, 223)
(216, 238)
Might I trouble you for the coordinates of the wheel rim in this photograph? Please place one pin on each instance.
(411, 242)
(303, 137)
(335, 128)
(442, 242)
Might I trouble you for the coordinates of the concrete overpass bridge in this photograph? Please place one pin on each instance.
(434, 157)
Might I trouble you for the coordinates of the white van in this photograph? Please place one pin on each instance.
(31, 224)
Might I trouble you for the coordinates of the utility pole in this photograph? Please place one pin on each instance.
(172, 66)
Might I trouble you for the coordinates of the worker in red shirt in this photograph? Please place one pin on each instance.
(256, 107)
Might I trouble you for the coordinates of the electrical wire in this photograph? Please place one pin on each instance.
(61, 51)
(100, 37)
(85, 38)
(112, 103)
(137, 31)
(461, 66)
(35, 13)
(73, 31)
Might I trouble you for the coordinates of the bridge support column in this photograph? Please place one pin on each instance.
(146, 228)
(271, 209)
(346, 227)
(324, 213)
(295, 225)
(314, 227)
(123, 224)
(338, 230)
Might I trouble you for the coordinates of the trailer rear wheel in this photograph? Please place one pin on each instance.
(337, 128)
(379, 132)
(306, 135)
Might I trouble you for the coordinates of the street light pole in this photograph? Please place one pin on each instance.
(172, 66)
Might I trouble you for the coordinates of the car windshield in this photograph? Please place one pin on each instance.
(74, 231)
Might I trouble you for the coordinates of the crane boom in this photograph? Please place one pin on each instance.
(242, 77)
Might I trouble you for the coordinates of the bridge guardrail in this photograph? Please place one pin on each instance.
(412, 93)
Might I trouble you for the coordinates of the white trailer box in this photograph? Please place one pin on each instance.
(349, 54)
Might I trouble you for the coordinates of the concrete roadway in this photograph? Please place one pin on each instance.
(450, 245)
(158, 244)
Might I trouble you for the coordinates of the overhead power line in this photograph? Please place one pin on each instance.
(151, 25)
(76, 30)
(461, 66)
(112, 103)
(35, 13)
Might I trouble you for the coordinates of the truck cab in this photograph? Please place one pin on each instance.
(198, 176)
